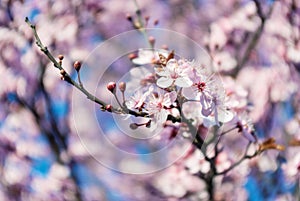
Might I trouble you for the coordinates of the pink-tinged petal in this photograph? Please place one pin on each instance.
(161, 117)
(169, 98)
(183, 82)
(173, 96)
(172, 64)
(164, 82)
(190, 93)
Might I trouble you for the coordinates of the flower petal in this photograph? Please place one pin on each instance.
(162, 72)
(183, 82)
(190, 93)
(164, 82)
(224, 115)
(207, 105)
(169, 98)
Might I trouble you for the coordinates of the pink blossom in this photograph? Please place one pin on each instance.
(175, 72)
(137, 101)
(159, 104)
(223, 61)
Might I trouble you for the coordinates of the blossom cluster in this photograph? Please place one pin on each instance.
(177, 83)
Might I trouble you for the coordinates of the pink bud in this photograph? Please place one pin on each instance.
(77, 65)
(111, 87)
(122, 86)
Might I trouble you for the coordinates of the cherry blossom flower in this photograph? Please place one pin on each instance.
(217, 38)
(207, 91)
(201, 90)
(175, 72)
(221, 112)
(137, 101)
(159, 104)
(223, 61)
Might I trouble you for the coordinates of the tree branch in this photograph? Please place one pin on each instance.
(255, 38)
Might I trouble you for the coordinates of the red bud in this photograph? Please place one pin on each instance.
(111, 87)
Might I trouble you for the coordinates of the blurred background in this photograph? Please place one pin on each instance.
(254, 45)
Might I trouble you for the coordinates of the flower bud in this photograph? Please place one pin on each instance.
(111, 87)
(122, 86)
(77, 65)
(60, 57)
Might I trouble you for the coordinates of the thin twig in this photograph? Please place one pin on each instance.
(244, 157)
(68, 78)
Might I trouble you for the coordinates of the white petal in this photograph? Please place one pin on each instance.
(225, 115)
(144, 57)
(164, 82)
(172, 64)
(135, 73)
(173, 96)
(161, 117)
(183, 82)
(162, 72)
(140, 61)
